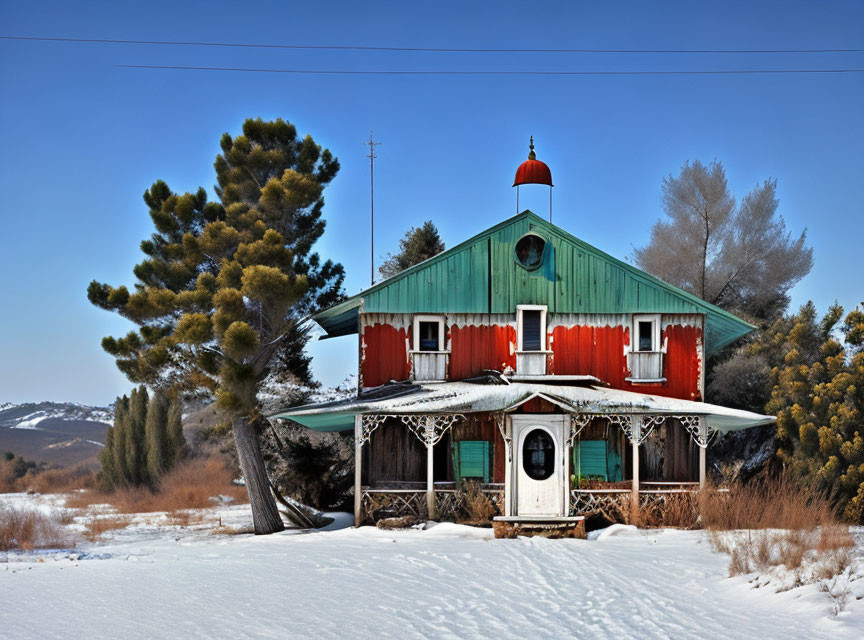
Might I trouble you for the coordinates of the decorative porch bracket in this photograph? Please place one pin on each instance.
(500, 421)
(578, 422)
(700, 431)
(432, 427)
(368, 423)
(637, 427)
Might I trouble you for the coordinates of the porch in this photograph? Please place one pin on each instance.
(393, 450)
(440, 450)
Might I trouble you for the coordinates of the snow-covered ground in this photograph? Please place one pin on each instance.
(154, 580)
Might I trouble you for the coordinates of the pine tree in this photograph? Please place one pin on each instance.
(159, 446)
(121, 429)
(178, 447)
(266, 151)
(818, 397)
(224, 284)
(416, 246)
(108, 476)
(136, 440)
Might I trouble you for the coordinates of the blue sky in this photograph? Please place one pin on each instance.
(83, 138)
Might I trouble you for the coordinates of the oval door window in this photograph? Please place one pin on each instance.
(538, 455)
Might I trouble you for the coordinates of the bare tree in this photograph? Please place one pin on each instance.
(740, 258)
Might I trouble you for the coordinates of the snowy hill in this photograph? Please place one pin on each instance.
(63, 433)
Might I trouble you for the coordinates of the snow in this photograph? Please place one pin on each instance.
(614, 530)
(28, 415)
(30, 423)
(462, 397)
(441, 580)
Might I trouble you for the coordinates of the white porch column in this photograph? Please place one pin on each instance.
(703, 437)
(358, 467)
(505, 428)
(430, 457)
(636, 432)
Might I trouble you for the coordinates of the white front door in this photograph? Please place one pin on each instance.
(539, 465)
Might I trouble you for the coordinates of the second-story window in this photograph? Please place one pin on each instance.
(531, 327)
(531, 338)
(645, 329)
(429, 351)
(428, 333)
(647, 333)
(429, 339)
(646, 357)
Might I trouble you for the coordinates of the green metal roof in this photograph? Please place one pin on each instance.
(481, 275)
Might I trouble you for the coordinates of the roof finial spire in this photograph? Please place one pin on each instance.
(531, 154)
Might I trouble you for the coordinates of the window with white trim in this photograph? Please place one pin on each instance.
(646, 356)
(646, 333)
(531, 327)
(429, 333)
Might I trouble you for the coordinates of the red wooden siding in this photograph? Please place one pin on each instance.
(576, 350)
(384, 356)
(537, 405)
(682, 366)
(599, 351)
(474, 348)
(594, 351)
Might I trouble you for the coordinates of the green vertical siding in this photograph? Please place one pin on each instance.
(482, 276)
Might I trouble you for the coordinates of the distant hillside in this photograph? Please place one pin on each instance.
(62, 433)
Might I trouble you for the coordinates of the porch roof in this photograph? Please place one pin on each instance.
(467, 397)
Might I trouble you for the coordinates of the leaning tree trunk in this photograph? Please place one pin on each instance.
(265, 516)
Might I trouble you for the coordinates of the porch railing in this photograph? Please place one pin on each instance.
(614, 504)
(377, 504)
(450, 501)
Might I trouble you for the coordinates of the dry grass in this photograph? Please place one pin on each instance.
(677, 510)
(479, 509)
(776, 523)
(59, 480)
(96, 526)
(188, 486)
(768, 504)
(27, 529)
(41, 480)
(184, 519)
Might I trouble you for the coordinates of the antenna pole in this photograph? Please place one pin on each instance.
(372, 144)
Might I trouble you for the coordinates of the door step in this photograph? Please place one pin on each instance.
(545, 526)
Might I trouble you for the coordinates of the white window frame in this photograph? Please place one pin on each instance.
(543, 309)
(654, 319)
(442, 334)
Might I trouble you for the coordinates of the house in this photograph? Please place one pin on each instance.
(554, 375)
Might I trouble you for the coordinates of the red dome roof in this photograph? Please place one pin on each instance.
(532, 171)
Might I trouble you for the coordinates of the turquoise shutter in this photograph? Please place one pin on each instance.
(471, 459)
(589, 459)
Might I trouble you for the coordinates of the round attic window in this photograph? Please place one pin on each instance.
(529, 250)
